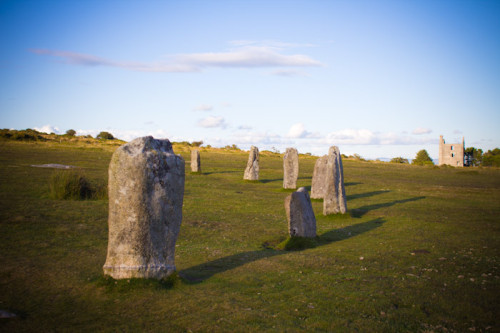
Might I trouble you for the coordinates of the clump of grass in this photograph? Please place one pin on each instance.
(126, 285)
(73, 185)
(297, 243)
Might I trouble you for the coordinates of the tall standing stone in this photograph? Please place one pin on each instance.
(318, 185)
(290, 168)
(300, 215)
(195, 161)
(146, 191)
(252, 169)
(334, 201)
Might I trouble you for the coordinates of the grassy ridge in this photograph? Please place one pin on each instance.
(418, 251)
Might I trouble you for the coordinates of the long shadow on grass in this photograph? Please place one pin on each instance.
(359, 212)
(213, 172)
(200, 273)
(365, 195)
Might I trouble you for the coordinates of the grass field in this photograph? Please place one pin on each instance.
(418, 251)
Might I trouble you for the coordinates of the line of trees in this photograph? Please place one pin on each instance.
(473, 157)
(477, 158)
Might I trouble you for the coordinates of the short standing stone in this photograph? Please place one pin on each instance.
(318, 184)
(290, 168)
(334, 201)
(252, 169)
(146, 190)
(300, 215)
(195, 161)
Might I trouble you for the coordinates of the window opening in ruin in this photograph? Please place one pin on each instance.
(451, 147)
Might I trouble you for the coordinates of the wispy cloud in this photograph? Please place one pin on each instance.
(203, 107)
(368, 137)
(288, 73)
(241, 57)
(212, 122)
(270, 43)
(421, 130)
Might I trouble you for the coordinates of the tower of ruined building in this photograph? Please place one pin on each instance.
(451, 153)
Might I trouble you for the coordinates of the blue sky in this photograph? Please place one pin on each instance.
(377, 78)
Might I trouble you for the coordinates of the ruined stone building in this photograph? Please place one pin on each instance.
(451, 153)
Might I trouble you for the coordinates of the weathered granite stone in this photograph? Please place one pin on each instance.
(334, 201)
(146, 190)
(290, 168)
(252, 169)
(300, 215)
(318, 185)
(195, 161)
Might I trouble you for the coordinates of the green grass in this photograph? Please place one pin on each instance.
(417, 251)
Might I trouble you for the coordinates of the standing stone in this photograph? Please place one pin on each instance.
(334, 201)
(300, 215)
(146, 191)
(290, 168)
(195, 161)
(252, 169)
(318, 185)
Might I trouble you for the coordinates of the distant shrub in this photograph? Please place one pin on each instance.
(105, 136)
(23, 135)
(356, 157)
(196, 143)
(399, 160)
(73, 185)
(232, 147)
(422, 158)
(71, 132)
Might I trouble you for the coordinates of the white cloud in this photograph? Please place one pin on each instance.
(288, 73)
(212, 122)
(421, 130)
(368, 137)
(244, 127)
(241, 57)
(245, 139)
(203, 107)
(298, 131)
(350, 136)
(129, 135)
(270, 43)
(48, 129)
(249, 56)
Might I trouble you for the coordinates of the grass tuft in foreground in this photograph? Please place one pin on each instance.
(297, 244)
(74, 185)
